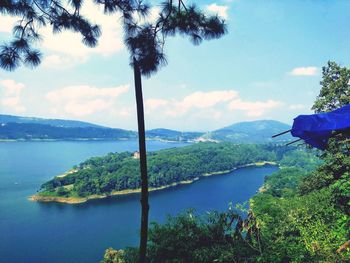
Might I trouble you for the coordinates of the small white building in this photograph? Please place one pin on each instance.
(136, 155)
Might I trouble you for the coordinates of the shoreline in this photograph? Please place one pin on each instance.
(67, 139)
(92, 139)
(79, 200)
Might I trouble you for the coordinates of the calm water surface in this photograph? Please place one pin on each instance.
(51, 232)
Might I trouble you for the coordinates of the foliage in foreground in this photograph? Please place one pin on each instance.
(300, 228)
(283, 224)
(215, 237)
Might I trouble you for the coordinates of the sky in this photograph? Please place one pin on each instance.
(268, 66)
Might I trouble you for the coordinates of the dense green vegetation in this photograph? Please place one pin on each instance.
(300, 220)
(285, 223)
(214, 237)
(119, 171)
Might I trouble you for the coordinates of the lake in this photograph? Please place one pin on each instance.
(52, 232)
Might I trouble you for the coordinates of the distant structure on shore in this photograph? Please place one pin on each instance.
(136, 155)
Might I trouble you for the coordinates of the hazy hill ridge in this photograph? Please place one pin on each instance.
(253, 131)
(52, 122)
(172, 135)
(29, 128)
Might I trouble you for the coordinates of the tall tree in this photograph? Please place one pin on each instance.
(335, 90)
(144, 39)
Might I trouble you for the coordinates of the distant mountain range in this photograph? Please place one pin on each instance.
(28, 128)
(254, 132)
(172, 135)
(52, 122)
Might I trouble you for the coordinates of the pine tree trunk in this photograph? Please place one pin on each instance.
(143, 163)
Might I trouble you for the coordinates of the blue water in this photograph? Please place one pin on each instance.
(52, 232)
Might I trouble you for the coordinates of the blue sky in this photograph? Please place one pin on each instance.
(268, 66)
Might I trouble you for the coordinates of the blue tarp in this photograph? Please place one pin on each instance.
(316, 129)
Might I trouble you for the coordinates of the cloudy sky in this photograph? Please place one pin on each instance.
(267, 67)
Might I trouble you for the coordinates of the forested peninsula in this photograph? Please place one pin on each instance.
(118, 173)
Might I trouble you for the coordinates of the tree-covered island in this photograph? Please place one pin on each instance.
(118, 173)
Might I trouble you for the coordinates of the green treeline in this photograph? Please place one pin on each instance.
(30, 131)
(120, 171)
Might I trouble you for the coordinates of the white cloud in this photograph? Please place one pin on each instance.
(123, 112)
(84, 108)
(212, 108)
(154, 14)
(297, 107)
(58, 61)
(11, 95)
(304, 71)
(207, 99)
(253, 108)
(10, 101)
(199, 100)
(6, 23)
(85, 91)
(70, 44)
(212, 103)
(153, 104)
(84, 100)
(14, 103)
(220, 10)
(11, 87)
(196, 100)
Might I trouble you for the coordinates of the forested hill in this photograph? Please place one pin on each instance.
(52, 122)
(31, 131)
(253, 132)
(120, 171)
(30, 128)
(172, 135)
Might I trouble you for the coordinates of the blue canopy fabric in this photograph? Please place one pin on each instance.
(316, 129)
